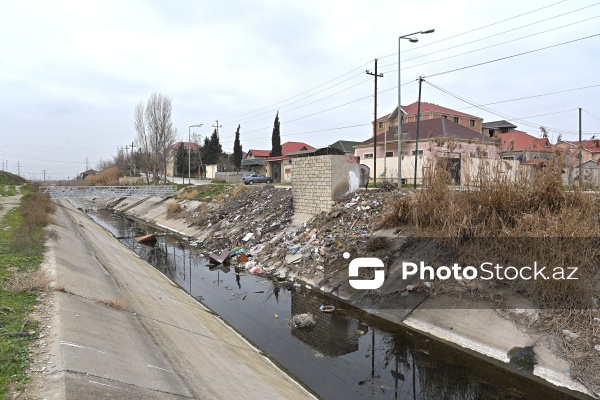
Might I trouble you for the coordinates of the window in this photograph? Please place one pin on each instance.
(420, 152)
(444, 116)
(456, 119)
(472, 122)
(389, 154)
(381, 123)
(368, 155)
(420, 117)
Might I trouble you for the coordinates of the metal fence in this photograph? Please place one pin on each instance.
(61, 192)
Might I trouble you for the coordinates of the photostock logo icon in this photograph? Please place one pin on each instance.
(366, 262)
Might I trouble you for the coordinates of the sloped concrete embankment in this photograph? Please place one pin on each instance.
(476, 328)
(123, 330)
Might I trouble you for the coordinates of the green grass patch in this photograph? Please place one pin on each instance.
(21, 252)
(6, 178)
(206, 193)
(8, 190)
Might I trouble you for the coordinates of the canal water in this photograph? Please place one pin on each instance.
(346, 355)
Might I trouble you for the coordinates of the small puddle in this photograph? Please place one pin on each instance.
(347, 354)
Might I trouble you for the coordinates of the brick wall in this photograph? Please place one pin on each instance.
(319, 181)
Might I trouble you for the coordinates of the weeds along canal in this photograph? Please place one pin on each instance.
(348, 354)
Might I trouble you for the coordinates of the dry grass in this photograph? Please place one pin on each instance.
(173, 207)
(107, 177)
(188, 194)
(118, 303)
(514, 223)
(36, 209)
(29, 280)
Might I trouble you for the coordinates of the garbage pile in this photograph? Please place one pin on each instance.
(254, 226)
(250, 217)
(318, 246)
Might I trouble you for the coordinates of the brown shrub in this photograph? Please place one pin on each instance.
(107, 177)
(512, 223)
(118, 303)
(29, 280)
(173, 207)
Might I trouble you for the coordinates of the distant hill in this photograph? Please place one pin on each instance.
(6, 178)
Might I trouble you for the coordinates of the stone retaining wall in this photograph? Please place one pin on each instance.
(319, 181)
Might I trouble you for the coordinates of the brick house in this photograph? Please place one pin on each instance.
(428, 111)
(434, 138)
(525, 148)
(279, 167)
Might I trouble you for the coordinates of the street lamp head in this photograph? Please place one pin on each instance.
(428, 31)
(413, 40)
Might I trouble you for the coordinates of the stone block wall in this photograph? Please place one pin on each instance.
(319, 181)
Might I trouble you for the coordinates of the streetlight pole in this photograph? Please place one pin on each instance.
(190, 152)
(412, 40)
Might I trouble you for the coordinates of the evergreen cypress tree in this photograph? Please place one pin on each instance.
(237, 151)
(181, 161)
(276, 138)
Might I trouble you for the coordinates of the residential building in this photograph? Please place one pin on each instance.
(278, 167)
(590, 149)
(346, 146)
(525, 148)
(439, 137)
(494, 127)
(428, 111)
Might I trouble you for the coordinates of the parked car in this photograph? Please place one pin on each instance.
(255, 178)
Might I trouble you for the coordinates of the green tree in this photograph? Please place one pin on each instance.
(211, 153)
(237, 151)
(181, 161)
(276, 138)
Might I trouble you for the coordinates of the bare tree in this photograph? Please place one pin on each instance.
(155, 133)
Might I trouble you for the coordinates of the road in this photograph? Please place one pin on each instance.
(122, 330)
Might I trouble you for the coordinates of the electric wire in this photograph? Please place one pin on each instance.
(293, 97)
(502, 115)
(587, 112)
(512, 56)
(505, 32)
(484, 48)
(474, 30)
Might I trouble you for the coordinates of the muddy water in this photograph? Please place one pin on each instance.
(345, 355)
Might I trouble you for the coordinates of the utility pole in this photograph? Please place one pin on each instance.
(18, 168)
(580, 153)
(86, 164)
(130, 164)
(217, 126)
(44, 175)
(417, 136)
(374, 73)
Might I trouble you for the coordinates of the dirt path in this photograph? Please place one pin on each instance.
(123, 330)
(8, 203)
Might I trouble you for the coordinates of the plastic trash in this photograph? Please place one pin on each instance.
(570, 334)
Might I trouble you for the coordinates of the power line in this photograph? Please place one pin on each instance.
(475, 30)
(587, 112)
(489, 47)
(303, 133)
(531, 97)
(502, 115)
(307, 91)
(512, 30)
(304, 105)
(512, 56)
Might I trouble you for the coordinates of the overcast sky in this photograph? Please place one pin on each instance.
(71, 72)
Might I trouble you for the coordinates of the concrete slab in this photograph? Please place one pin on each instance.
(164, 344)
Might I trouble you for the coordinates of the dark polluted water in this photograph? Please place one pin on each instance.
(345, 355)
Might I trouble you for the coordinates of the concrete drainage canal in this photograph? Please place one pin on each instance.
(347, 354)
